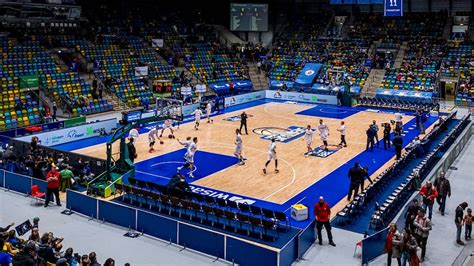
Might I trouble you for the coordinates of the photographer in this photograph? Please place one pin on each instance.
(387, 129)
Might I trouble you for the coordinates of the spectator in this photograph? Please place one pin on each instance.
(109, 262)
(46, 250)
(398, 144)
(443, 187)
(339, 97)
(428, 193)
(392, 244)
(468, 223)
(93, 259)
(411, 214)
(408, 248)
(423, 120)
(4, 229)
(422, 226)
(5, 258)
(322, 213)
(458, 220)
(53, 186)
(35, 237)
(132, 152)
(85, 261)
(55, 110)
(69, 256)
(28, 256)
(66, 178)
(178, 185)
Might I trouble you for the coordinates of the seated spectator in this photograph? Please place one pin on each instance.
(70, 257)
(45, 249)
(5, 258)
(93, 259)
(109, 262)
(35, 237)
(28, 256)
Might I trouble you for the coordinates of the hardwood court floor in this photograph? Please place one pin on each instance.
(296, 171)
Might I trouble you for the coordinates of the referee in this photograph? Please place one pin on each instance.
(243, 122)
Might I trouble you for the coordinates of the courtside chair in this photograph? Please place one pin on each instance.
(36, 194)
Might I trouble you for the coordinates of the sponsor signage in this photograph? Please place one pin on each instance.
(301, 97)
(244, 98)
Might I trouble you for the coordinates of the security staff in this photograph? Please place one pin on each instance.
(387, 129)
(354, 174)
(398, 144)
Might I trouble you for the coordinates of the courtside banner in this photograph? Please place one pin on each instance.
(393, 8)
(244, 98)
(66, 135)
(301, 97)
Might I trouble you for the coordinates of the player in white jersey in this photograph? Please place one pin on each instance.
(134, 134)
(208, 112)
(168, 124)
(152, 136)
(272, 155)
(197, 116)
(189, 156)
(398, 117)
(342, 129)
(323, 133)
(238, 147)
(308, 138)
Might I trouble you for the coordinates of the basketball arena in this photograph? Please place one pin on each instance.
(271, 133)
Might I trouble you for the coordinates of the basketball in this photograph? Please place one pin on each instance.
(171, 136)
(161, 142)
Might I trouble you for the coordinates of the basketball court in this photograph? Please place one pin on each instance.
(300, 180)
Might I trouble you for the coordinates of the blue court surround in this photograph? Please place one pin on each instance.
(333, 186)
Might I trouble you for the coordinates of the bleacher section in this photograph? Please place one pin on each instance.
(457, 65)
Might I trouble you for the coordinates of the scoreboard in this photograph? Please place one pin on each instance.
(248, 17)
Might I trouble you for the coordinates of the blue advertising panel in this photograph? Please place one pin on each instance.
(308, 74)
(393, 8)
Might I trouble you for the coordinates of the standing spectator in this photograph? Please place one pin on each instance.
(398, 144)
(387, 129)
(392, 244)
(5, 258)
(458, 220)
(66, 178)
(55, 110)
(422, 231)
(28, 256)
(468, 223)
(417, 118)
(52, 178)
(443, 187)
(428, 193)
(354, 174)
(109, 262)
(370, 138)
(411, 214)
(408, 248)
(322, 213)
(259, 67)
(101, 91)
(93, 259)
(339, 97)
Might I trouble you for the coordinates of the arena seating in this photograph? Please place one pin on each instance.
(227, 215)
(457, 65)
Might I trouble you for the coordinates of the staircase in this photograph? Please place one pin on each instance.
(259, 81)
(58, 61)
(400, 55)
(448, 28)
(374, 80)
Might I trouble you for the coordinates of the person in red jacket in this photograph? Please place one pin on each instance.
(322, 214)
(53, 179)
(429, 193)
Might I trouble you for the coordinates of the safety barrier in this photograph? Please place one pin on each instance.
(20, 183)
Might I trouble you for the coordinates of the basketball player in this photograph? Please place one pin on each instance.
(133, 134)
(323, 133)
(168, 124)
(152, 136)
(308, 138)
(342, 129)
(272, 155)
(186, 143)
(189, 157)
(197, 116)
(238, 147)
(208, 112)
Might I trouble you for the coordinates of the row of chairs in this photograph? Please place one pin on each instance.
(208, 214)
(393, 103)
(281, 217)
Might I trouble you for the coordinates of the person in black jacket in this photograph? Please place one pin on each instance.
(363, 176)
(370, 138)
(28, 256)
(387, 129)
(398, 144)
(178, 185)
(411, 214)
(354, 174)
(243, 122)
(132, 151)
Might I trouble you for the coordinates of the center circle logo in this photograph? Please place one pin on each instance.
(309, 72)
